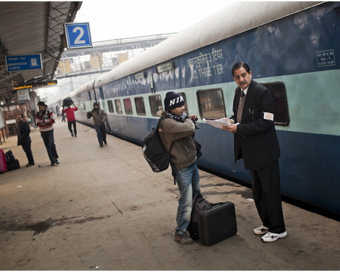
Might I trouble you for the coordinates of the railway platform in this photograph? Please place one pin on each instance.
(104, 209)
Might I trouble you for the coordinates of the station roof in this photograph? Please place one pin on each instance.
(28, 28)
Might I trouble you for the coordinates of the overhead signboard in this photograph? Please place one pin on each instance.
(78, 35)
(23, 95)
(21, 63)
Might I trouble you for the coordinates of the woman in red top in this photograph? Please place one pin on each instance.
(71, 119)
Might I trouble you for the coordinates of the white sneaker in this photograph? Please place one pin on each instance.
(272, 237)
(261, 230)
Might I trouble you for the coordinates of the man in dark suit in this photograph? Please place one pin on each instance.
(256, 142)
(24, 139)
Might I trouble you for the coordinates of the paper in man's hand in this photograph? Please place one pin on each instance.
(218, 123)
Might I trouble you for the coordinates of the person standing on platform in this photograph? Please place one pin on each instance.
(63, 115)
(179, 127)
(57, 110)
(45, 120)
(71, 119)
(99, 118)
(24, 139)
(256, 142)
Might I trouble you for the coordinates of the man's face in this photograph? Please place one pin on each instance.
(41, 108)
(178, 111)
(242, 77)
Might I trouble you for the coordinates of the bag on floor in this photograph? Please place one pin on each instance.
(11, 161)
(212, 222)
(154, 151)
(199, 204)
(13, 165)
(217, 223)
(9, 156)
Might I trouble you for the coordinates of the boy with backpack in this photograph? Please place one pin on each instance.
(179, 128)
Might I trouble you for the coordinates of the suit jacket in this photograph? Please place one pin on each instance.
(255, 141)
(24, 133)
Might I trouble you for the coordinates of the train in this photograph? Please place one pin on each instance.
(291, 48)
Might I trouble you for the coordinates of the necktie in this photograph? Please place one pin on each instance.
(240, 107)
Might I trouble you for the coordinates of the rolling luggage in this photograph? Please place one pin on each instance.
(3, 164)
(217, 223)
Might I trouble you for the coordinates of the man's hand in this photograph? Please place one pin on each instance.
(232, 128)
(193, 117)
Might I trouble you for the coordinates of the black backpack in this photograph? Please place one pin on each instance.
(154, 151)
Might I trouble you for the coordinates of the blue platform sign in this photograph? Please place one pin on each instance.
(21, 63)
(78, 35)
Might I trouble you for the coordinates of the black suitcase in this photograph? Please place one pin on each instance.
(217, 223)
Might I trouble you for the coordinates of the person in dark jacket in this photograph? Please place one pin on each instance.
(256, 142)
(179, 127)
(24, 139)
(99, 118)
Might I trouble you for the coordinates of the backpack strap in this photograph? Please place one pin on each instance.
(171, 146)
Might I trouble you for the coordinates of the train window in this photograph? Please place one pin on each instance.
(118, 104)
(186, 105)
(140, 106)
(211, 104)
(156, 105)
(281, 114)
(127, 106)
(110, 105)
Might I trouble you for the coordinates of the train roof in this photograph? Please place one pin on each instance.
(230, 21)
(85, 87)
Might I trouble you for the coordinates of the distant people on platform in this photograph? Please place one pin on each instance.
(24, 139)
(99, 118)
(63, 116)
(45, 120)
(57, 110)
(71, 119)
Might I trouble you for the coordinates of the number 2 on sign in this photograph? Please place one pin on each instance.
(81, 34)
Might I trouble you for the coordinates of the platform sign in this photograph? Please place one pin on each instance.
(23, 95)
(78, 35)
(21, 63)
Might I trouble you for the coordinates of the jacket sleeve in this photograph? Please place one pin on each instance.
(104, 115)
(26, 131)
(179, 130)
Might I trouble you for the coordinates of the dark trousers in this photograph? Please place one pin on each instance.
(74, 127)
(27, 149)
(267, 196)
(101, 133)
(48, 139)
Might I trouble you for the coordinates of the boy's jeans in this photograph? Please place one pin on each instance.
(187, 180)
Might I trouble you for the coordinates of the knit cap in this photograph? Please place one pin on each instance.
(173, 100)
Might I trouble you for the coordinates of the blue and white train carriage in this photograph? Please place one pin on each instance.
(291, 47)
